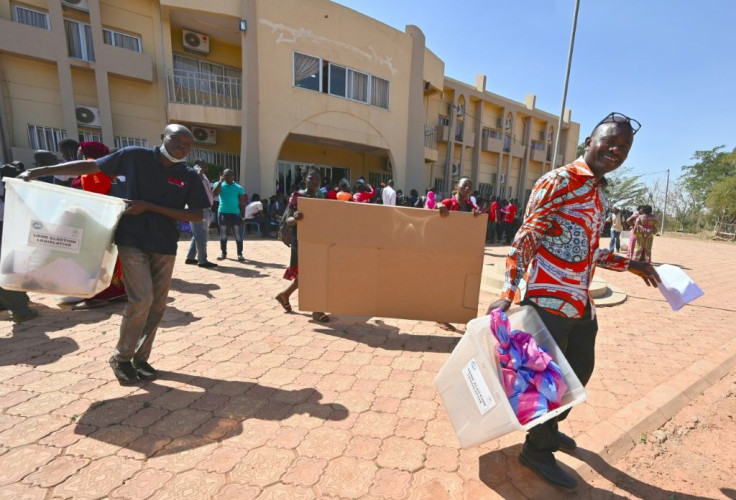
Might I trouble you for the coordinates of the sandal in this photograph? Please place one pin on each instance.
(447, 327)
(284, 303)
(321, 317)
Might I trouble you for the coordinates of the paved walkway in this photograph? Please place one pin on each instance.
(258, 404)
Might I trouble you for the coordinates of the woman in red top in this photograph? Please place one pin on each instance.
(460, 202)
(101, 184)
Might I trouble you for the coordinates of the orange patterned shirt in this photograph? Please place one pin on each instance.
(558, 241)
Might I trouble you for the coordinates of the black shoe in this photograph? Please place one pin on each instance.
(124, 371)
(549, 471)
(190, 261)
(241, 258)
(565, 442)
(207, 264)
(222, 257)
(145, 371)
(25, 316)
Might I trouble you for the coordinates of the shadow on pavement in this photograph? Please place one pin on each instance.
(242, 272)
(388, 337)
(262, 265)
(185, 419)
(32, 346)
(193, 288)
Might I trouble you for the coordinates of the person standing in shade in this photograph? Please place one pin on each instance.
(201, 230)
(388, 194)
(230, 212)
(558, 243)
(617, 228)
(158, 187)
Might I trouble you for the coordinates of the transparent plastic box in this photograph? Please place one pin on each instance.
(470, 381)
(58, 240)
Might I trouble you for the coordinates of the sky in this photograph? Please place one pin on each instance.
(671, 64)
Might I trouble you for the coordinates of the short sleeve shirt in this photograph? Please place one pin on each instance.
(230, 197)
(147, 179)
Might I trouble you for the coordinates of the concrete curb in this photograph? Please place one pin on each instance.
(614, 437)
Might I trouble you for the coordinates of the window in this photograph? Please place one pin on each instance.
(31, 17)
(379, 92)
(40, 137)
(79, 40)
(443, 121)
(375, 179)
(122, 40)
(124, 142)
(221, 158)
(208, 77)
(89, 136)
(306, 72)
(313, 73)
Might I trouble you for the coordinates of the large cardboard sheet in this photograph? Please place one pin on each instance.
(373, 260)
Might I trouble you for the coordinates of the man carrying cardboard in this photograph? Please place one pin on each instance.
(158, 187)
(558, 243)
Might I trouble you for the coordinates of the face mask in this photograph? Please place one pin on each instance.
(169, 157)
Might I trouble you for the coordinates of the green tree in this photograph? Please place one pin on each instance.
(581, 149)
(722, 199)
(711, 167)
(625, 190)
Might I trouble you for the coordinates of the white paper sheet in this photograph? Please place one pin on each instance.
(677, 287)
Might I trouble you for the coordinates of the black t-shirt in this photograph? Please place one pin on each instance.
(147, 179)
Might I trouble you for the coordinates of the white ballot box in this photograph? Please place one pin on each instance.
(470, 381)
(57, 240)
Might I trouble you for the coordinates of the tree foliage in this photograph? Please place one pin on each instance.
(625, 190)
(722, 199)
(711, 167)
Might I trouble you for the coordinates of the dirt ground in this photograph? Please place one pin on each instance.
(692, 456)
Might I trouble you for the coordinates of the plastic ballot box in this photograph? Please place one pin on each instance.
(57, 240)
(470, 381)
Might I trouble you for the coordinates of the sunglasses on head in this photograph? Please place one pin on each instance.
(620, 118)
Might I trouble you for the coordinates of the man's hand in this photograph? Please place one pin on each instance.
(28, 175)
(298, 215)
(444, 211)
(502, 304)
(137, 207)
(646, 271)
(477, 212)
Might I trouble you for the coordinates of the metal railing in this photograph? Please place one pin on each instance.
(539, 146)
(202, 89)
(430, 137)
(222, 158)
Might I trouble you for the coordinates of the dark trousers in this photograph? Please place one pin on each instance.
(576, 339)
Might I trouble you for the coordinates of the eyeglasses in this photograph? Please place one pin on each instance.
(620, 118)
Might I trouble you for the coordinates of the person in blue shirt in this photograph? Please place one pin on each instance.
(231, 211)
(159, 185)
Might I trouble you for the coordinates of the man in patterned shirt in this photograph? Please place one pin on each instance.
(558, 243)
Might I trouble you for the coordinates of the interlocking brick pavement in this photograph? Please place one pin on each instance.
(254, 403)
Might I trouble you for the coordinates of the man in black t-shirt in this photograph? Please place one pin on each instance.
(158, 187)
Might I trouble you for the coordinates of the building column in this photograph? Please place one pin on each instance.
(478, 126)
(412, 174)
(66, 87)
(254, 177)
(101, 77)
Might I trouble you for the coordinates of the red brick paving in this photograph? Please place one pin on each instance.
(258, 404)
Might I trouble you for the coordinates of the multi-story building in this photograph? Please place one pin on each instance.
(267, 87)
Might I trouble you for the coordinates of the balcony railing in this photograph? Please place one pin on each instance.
(201, 89)
(430, 137)
(222, 158)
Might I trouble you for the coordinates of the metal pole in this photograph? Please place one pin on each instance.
(567, 79)
(666, 192)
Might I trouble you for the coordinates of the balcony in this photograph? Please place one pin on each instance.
(430, 144)
(492, 141)
(202, 89)
(539, 151)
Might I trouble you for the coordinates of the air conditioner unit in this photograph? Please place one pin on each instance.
(76, 4)
(455, 169)
(196, 42)
(204, 135)
(502, 178)
(88, 116)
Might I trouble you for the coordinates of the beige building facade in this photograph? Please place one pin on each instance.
(267, 87)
